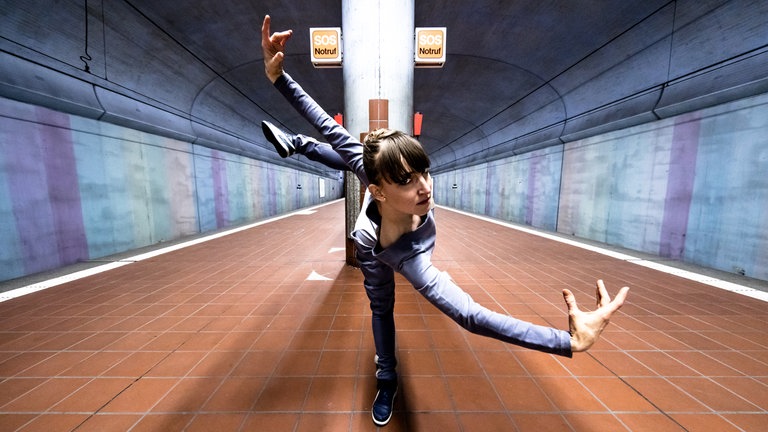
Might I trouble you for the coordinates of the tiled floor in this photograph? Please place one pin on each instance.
(267, 330)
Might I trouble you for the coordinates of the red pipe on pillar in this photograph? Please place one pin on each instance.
(339, 117)
(417, 116)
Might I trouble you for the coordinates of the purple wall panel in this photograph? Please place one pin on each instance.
(45, 194)
(530, 197)
(219, 174)
(63, 190)
(680, 183)
(32, 214)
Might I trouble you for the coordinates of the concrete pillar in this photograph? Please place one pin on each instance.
(378, 72)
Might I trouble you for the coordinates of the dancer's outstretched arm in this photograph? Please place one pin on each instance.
(348, 147)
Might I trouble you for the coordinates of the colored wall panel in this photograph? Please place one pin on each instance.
(11, 256)
(680, 183)
(107, 210)
(74, 189)
(204, 188)
(614, 187)
(41, 186)
(521, 189)
(728, 224)
(692, 188)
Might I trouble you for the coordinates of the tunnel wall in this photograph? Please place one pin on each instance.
(75, 189)
(691, 188)
(688, 55)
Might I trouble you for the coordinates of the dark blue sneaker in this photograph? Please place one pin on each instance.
(384, 403)
(282, 141)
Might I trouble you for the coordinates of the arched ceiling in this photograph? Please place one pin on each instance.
(519, 75)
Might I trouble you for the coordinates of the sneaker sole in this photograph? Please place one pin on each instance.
(267, 131)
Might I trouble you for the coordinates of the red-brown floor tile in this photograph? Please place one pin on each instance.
(62, 341)
(480, 422)
(174, 422)
(311, 422)
(537, 422)
(617, 395)
(291, 363)
(99, 341)
(283, 394)
(713, 395)
(539, 364)
(649, 422)
(273, 340)
(96, 364)
(132, 341)
(335, 363)
(109, 423)
(663, 363)
(235, 394)
(414, 339)
(51, 422)
(705, 363)
(276, 422)
(46, 395)
(188, 395)
(217, 363)
(748, 422)
(93, 395)
(437, 421)
(425, 394)
(625, 341)
(168, 341)
(331, 394)
(589, 422)
(141, 396)
(501, 363)
(459, 363)
(522, 394)
(13, 388)
(473, 394)
(12, 422)
(110, 323)
(418, 362)
(365, 392)
(666, 396)
(21, 362)
(744, 362)
(623, 364)
(343, 340)
(137, 364)
(568, 394)
(704, 423)
(746, 387)
(585, 365)
(203, 341)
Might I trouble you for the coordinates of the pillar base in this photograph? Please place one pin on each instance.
(350, 247)
(352, 203)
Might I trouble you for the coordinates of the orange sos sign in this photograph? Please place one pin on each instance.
(326, 46)
(430, 46)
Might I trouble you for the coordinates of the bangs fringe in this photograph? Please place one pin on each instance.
(402, 157)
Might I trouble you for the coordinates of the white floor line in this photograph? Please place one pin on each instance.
(708, 280)
(39, 286)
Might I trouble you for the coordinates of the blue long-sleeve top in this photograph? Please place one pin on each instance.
(411, 254)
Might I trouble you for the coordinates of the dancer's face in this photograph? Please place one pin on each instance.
(412, 196)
